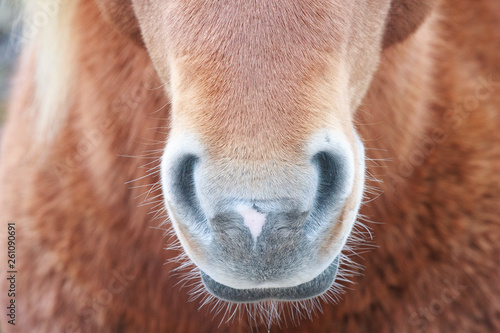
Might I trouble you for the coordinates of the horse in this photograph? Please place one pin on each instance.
(233, 166)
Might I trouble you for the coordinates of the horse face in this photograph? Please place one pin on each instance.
(263, 171)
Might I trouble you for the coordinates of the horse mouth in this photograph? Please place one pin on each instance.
(313, 288)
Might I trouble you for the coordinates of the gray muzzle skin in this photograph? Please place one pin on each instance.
(310, 289)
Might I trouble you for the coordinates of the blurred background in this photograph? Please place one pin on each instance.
(8, 51)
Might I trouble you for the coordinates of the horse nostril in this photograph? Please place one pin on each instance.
(184, 188)
(331, 177)
(184, 180)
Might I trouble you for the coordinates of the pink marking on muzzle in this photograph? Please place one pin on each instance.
(252, 219)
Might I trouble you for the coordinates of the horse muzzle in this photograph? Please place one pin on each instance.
(261, 230)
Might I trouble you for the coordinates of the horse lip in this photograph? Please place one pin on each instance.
(315, 287)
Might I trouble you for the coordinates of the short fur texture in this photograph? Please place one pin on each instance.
(91, 259)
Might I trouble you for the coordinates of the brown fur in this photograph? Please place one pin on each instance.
(435, 269)
(405, 16)
(121, 16)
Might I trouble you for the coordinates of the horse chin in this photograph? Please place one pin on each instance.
(316, 287)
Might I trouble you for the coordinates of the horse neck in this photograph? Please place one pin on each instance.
(395, 116)
(411, 107)
(113, 127)
(120, 103)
